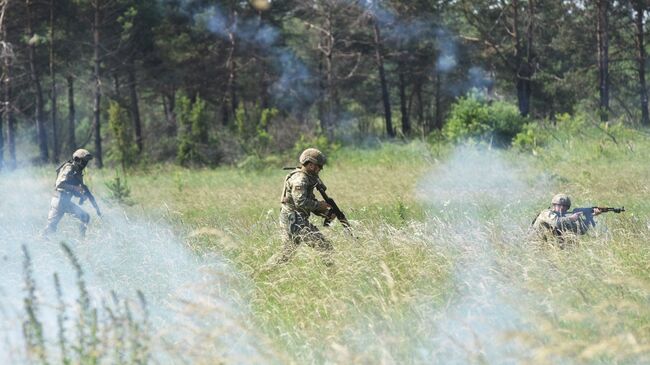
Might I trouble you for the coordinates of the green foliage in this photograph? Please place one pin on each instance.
(119, 190)
(472, 118)
(252, 128)
(320, 142)
(193, 135)
(255, 162)
(123, 149)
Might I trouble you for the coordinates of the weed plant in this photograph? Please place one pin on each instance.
(87, 333)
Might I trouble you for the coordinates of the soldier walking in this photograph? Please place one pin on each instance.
(298, 203)
(69, 183)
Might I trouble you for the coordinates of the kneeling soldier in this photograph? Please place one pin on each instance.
(556, 222)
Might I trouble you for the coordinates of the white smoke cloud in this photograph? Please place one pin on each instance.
(121, 254)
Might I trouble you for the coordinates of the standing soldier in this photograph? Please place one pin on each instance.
(298, 203)
(556, 221)
(69, 183)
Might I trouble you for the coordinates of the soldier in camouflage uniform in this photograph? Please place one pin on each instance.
(298, 203)
(69, 183)
(555, 222)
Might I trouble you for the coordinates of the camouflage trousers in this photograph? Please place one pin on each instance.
(61, 204)
(296, 230)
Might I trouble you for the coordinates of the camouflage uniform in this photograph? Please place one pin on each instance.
(556, 225)
(68, 183)
(298, 203)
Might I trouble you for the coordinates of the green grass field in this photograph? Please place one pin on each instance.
(442, 269)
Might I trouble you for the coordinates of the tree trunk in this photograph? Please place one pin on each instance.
(135, 107)
(229, 101)
(10, 146)
(55, 132)
(603, 57)
(639, 8)
(41, 133)
(2, 135)
(169, 104)
(437, 121)
(382, 78)
(72, 140)
(524, 58)
(406, 121)
(97, 92)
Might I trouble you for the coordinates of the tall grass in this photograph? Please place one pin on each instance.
(106, 333)
(443, 269)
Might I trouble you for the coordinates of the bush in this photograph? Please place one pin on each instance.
(123, 150)
(319, 142)
(194, 144)
(496, 123)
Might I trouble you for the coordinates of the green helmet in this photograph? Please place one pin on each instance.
(561, 199)
(82, 155)
(312, 155)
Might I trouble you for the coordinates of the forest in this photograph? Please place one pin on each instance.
(203, 83)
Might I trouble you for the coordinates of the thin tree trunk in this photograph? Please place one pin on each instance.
(11, 121)
(406, 121)
(2, 135)
(36, 81)
(169, 106)
(55, 132)
(437, 121)
(603, 58)
(97, 92)
(135, 108)
(639, 8)
(382, 78)
(523, 56)
(229, 101)
(72, 140)
(10, 146)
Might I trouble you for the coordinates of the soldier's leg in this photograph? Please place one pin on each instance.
(315, 239)
(57, 210)
(290, 242)
(81, 215)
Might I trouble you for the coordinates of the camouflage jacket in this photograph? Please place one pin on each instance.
(298, 193)
(69, 177)
(558, 223)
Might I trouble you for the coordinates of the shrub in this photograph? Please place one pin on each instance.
(123, 150)
(193, 137)
(487, 122)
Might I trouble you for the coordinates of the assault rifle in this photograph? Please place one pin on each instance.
(334, 211)
(588, 213)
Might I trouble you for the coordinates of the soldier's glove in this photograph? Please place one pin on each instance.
(322, 208)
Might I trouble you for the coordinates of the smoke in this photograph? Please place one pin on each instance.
(294, 88)
(448, 50)
(474, 197)
(194, 301)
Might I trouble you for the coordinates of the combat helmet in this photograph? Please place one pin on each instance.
(82, 155)
(312, 155)
(561, 199)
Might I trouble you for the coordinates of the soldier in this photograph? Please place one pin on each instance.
(556, 222)
(298, 203)
(69, 183)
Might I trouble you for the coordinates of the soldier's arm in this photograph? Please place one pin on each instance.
(301, 196)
